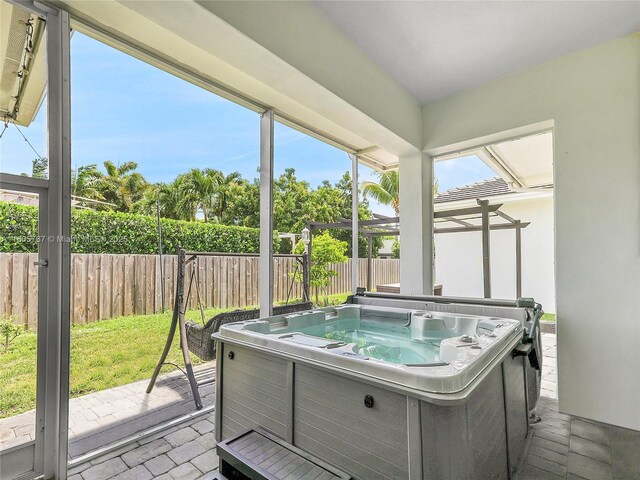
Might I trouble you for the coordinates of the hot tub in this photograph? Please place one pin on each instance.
(389, 389)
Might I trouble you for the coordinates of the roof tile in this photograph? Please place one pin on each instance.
(484, 188)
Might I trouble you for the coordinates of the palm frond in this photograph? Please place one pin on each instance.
(377, 192)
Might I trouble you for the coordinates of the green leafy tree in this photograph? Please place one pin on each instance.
(343, 210)
(395, 249)
(291, 203)
(243, 204)
(39, 168)
(325, 250)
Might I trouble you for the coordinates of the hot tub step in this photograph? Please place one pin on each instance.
(258, 455)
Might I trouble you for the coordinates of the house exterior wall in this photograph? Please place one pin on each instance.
(591, 100)
(459, 257)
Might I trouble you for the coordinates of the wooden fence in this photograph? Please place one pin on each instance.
(108, 286)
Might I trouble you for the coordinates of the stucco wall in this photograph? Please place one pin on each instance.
(592, 99)
(459, 257)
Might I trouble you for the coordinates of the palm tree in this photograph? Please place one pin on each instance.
(224, 183)
(168, 196)
(122, 185)
(85, 181)
(387, 191)
(199, 190)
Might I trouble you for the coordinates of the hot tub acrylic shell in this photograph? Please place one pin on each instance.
(440, 381)
(373, 419)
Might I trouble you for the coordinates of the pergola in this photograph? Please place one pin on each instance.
(483, 218)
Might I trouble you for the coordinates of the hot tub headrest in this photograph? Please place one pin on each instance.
(304, 319)
(399, 315)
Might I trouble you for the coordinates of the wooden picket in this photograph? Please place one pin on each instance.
(108, 286)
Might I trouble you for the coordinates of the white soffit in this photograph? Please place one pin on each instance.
(528, 159)
(523, 162)
(20, 98)
(186, 36)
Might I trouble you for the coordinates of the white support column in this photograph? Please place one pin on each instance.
(55, 358)
(416, 224)
(266, 215)
(354, 222)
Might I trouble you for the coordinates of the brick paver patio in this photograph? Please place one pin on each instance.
(101, 418)
(549, 387)
(185, 452)
(560, 446)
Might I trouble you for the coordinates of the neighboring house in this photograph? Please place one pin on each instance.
(458, 264)
(21, 198)
(386, 251)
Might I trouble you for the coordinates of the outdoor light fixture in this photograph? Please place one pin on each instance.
(305, 239)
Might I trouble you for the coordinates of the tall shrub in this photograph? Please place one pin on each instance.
(116, 232)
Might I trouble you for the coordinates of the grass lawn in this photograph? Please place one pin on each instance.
(548, 317)
(104, 354)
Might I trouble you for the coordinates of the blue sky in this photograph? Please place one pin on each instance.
(125, 110)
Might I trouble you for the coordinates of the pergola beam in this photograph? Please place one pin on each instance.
(396, 232)
(478, 228)
(467, 211)
(347, 222)
(458, 221)
(505, 216)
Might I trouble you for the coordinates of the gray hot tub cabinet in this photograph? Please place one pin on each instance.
(375, 430)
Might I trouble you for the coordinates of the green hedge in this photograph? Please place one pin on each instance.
(115, 232)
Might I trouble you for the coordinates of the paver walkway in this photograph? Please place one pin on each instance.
(563, 447)
(560, 446)
(101, 418)
(549, 387)
(186, 452)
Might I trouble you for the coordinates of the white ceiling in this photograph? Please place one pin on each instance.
(438, 48)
